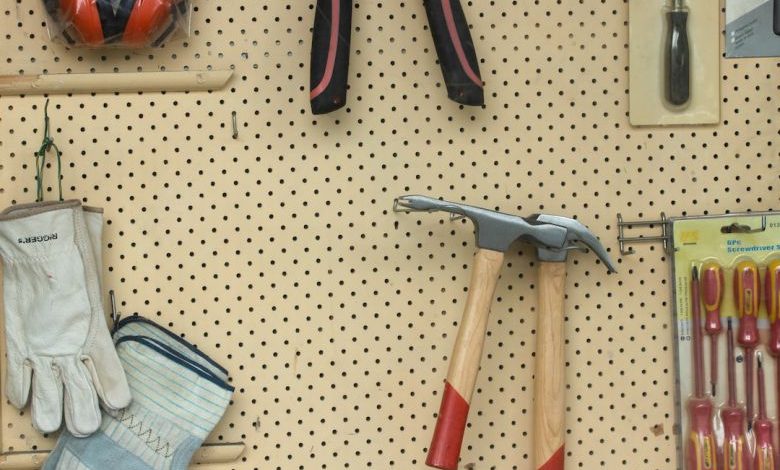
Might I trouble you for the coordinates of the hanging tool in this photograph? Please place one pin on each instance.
(712, 295)
(765, 447)
(495, 232)
(329, 68)
(772, 298)
(702, 449)
(678, 74)
(455, 49)
(746, 296)
(736, 455)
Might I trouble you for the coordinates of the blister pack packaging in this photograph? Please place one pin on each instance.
(118, 23)
(726, 273)
(674, 57)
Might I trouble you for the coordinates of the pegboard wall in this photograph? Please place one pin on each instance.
(278, 252)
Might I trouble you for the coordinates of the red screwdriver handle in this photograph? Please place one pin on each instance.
(747, 294)
(701, 453)
(735, 451)
(712, 294)
(765, 452)
(772, 298)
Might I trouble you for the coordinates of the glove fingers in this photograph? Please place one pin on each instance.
(46, 396)
(18, 376)
(82, 412)
(107, 374)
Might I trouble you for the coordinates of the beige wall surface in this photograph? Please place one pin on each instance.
(278, 252)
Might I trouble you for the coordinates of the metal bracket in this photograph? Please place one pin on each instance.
(623, 240)
(739, 228)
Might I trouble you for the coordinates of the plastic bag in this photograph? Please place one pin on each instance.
(117, 23)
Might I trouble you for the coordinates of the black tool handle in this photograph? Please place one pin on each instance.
(456, 52)
(776, 18)
(678, 71)
(330, 55)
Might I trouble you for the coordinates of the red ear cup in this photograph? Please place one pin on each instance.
(148, 17)
(84, 17)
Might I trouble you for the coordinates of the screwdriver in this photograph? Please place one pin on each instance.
(772, 297)
(735, 451)
(765, 449)
(712, 295)
(746, 295)
(701, 443)
(677, 54)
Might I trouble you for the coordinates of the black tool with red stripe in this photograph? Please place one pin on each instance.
(330, 55)
(456, 52)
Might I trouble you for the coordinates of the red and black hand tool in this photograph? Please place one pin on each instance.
(455, 49)
(712, 295)
(736, 454)
(701, 452)
(765, 446)
(772, 298)
(746, 296)
(329, 66)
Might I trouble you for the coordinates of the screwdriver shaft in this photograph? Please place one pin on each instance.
(696, 333)
(765, 449)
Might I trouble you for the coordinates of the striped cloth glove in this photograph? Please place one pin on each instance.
(179, 395)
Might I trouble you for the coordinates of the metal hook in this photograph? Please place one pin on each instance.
(623, 240)
(115, 316)
(234, 120)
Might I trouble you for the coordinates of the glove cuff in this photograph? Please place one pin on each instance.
(39, 230)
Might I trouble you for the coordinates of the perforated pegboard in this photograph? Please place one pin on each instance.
(278, 252)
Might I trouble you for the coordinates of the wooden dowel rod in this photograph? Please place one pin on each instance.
(131, 82)
(207, 454)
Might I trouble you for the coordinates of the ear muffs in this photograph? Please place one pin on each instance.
(85, 19)
(134, 22)
(148, 16)
(113, 22)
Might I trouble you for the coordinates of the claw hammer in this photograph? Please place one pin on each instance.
(553, 237)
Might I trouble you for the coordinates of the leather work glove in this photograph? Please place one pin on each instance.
(179, 396)
(57, 340)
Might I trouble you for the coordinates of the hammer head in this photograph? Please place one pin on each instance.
(553, 236)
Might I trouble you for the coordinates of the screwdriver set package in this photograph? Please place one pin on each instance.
(752, 28)
(726, 272)
(674, 57)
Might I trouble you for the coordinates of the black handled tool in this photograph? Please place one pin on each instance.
(456, 52)
(776, 17)
(678, 72)
(330, 55)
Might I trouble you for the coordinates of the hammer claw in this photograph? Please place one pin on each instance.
(413, 203)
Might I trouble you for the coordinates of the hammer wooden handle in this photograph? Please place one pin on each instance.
(464, 364)
(550, 362)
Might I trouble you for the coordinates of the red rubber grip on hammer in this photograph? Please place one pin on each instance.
(555, 462)
(450, 426)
